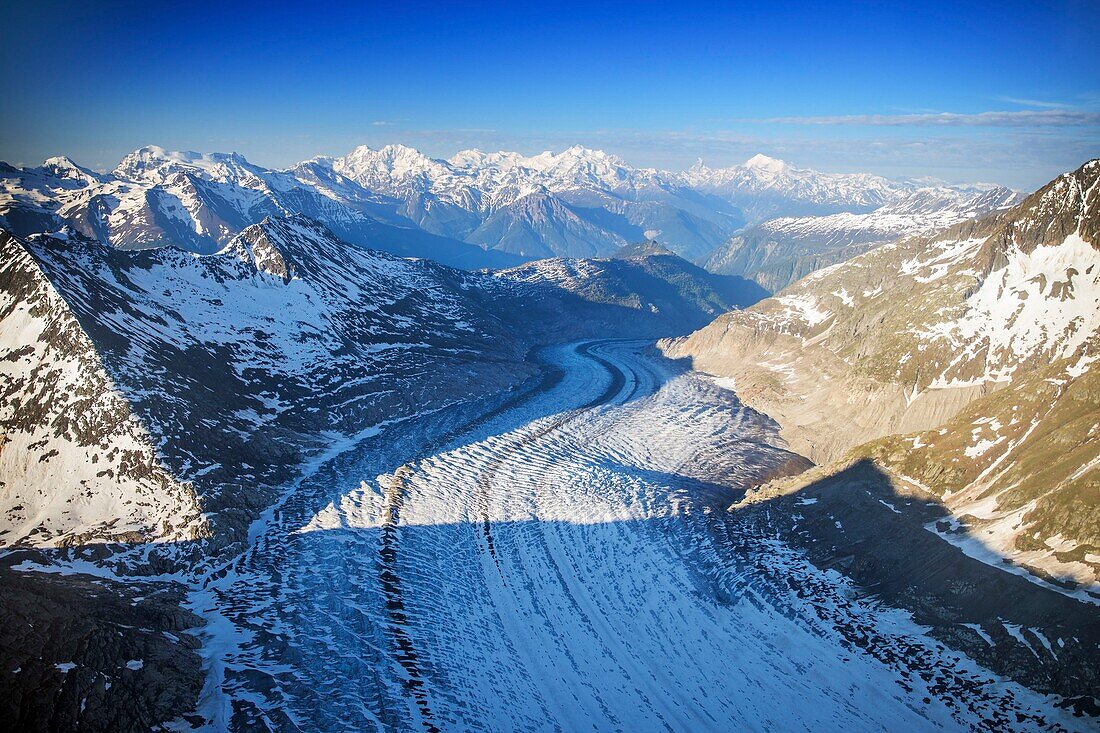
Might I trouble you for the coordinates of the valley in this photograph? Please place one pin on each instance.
(565, 559)
(262, 476)
(550, 367)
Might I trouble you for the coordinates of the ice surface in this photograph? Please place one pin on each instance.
(558, 568)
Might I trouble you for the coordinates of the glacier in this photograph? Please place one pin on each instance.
(562, 563)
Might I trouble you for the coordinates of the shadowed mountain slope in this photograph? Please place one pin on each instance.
(978, 344)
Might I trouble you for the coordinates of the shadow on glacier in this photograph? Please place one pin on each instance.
(695, 493)
(858, 522)
(374, 592)
(889, 554)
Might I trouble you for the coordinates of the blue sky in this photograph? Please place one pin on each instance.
(1006, 92)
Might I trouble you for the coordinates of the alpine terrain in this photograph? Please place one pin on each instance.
(521, 442)
(946, 386)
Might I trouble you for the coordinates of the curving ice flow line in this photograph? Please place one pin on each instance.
(562, 563)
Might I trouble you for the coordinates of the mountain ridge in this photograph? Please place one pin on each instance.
(475, 210)
(646, 280)
(780, 251)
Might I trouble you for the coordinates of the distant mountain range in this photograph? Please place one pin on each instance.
(475, 210)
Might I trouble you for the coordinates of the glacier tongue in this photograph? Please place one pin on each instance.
(565, 564)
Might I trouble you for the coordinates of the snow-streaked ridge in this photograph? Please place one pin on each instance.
(77, 466)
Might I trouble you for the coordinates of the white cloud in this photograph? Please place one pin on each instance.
(1018, 118)
(1038, 103)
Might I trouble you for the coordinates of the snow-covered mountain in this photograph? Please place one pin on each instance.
(541, 225)
(475, 210)
(782, 250)
(762, 188)
(976, 348)
(198, 202)
(488, 181)
(218, 371)
(648, 279)
(579, 202)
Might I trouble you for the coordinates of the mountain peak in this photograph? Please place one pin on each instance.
(474, 158)
(153, 159)
(390, 162)
(59, 161)
(578, 150)
(278, 245)
(698, 166)
(64, 167)
(763, 162)
(150, 151)
(1068, 205)
(397, 149)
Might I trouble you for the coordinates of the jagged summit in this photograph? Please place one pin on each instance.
(276, 245)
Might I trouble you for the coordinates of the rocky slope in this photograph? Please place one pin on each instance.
(214, 373)
(76, 463)
(975, 349)
(780, 251)
(84, 653)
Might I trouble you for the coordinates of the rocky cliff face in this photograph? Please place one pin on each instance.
(84, 653)
(977, 344)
